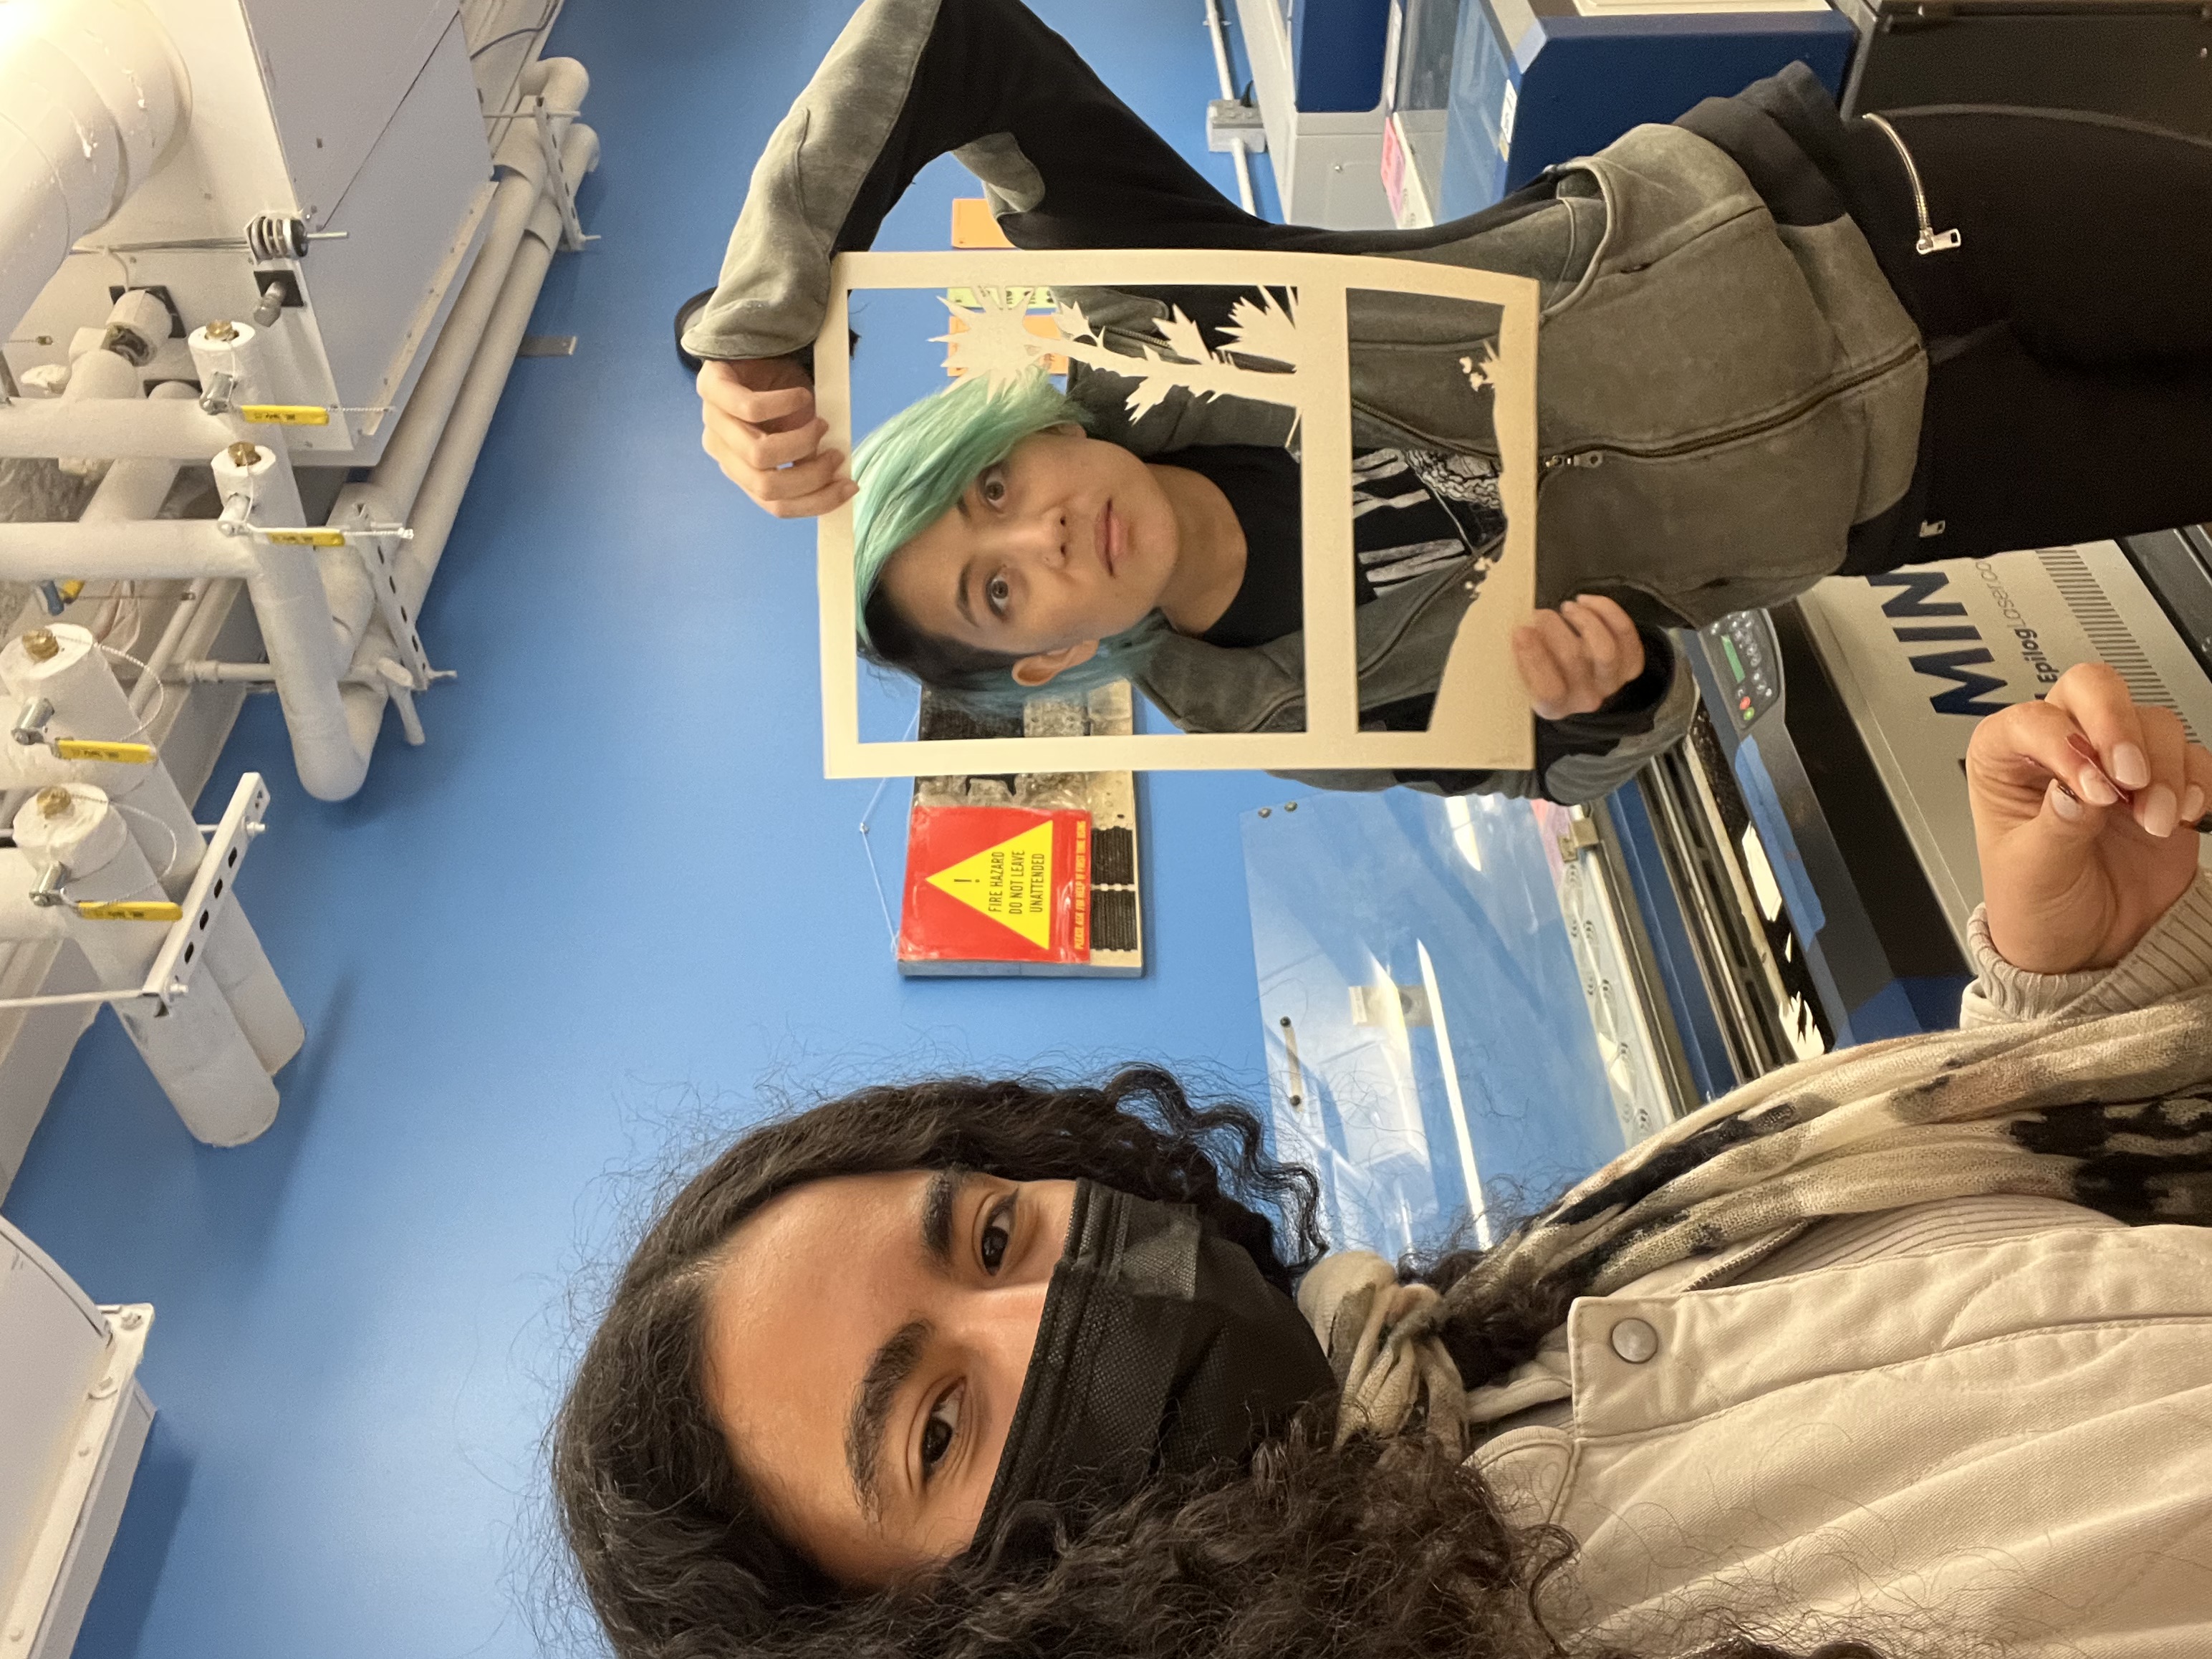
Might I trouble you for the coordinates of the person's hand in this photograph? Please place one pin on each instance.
(1572, 660)
(762, 430)
(2073, 875)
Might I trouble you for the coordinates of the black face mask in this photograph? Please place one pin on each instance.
(1161, 1349)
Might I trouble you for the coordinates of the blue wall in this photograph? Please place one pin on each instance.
(609, 899)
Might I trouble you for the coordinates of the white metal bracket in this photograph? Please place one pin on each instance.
(401, 690)
(556, 178)
(1231, 124)
(377, 554)
(178, 958)
(183, 950)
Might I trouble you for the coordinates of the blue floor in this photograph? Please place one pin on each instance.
(611, 909)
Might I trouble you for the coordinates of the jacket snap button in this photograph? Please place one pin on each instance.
(1634, 1340)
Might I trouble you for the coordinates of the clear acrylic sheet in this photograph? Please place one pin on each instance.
(1430, 1047)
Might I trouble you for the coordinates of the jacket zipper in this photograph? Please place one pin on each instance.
(1932, 240)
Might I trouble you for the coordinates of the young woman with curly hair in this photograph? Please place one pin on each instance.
(1905, 1349)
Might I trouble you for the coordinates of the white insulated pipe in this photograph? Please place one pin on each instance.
(143, 548)
(175, 430)
(135, 489)
(88, 703)
(294, 612)
(117, 536)
(387, 495)
(196, 1049)
(91, 97)
(238, 357)
(35, 767)
(105, 362)
(164, 653)
(107, 375)
(425, 468)
(231, 366)
(437, 500)
(258, 1000)
(23, 923)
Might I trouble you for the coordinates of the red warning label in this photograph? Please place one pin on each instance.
(996, 883)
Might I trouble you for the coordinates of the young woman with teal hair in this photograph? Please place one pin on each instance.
(1000, 547)
(915, 475)
(1777, 345)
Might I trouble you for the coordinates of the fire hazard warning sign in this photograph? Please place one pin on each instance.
(997, 884)
(1010, 883)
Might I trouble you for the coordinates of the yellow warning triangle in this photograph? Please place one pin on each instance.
(1010, 883)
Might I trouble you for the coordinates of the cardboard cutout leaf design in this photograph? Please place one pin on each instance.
(1266, 331)
(992, 337)
(1184, 337)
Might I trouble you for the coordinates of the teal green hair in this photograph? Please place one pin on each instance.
(916, 464)
(911, 471)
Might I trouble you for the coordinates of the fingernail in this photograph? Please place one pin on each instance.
(2097, 788)
(2192, 804)
(2160, 812)
(2129, 769)
(2063, 801)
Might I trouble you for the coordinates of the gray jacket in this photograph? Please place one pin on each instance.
(1720, 398)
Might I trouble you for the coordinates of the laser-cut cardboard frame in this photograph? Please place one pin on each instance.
(1482, 719)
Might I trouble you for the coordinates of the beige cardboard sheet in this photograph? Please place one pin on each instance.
(1482, 719)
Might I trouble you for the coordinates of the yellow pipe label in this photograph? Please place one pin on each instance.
(305, 537)
(131, 910)
(285, 414)
(89, 749)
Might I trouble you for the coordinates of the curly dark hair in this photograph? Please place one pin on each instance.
(1380, 1548)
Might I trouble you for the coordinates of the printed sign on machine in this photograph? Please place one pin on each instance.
(1919, 655)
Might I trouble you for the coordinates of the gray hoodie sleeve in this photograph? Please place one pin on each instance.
(1063, 161)
(831, 171)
